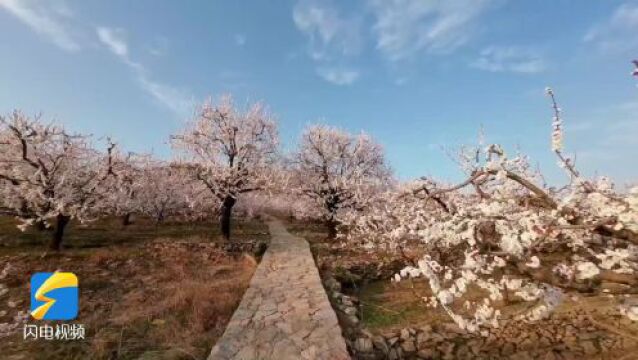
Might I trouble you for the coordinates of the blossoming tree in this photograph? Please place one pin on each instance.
(504, 234)
(230, 151)
(168, 191)
(48, 175)
(125, 183)
(337, 171)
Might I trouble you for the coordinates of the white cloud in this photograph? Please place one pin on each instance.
(618, 33)
(114, 39)
(330, 35)
(405, 27)
(338, 76)
(179, 101)
(510, 59)
(333, 39)
(175, 99)
(45, 18)
(240, 39)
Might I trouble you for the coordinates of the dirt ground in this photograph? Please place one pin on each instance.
(146, 291)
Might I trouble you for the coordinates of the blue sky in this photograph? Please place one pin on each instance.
(417, 75)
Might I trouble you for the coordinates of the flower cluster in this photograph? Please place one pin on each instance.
(504, 234)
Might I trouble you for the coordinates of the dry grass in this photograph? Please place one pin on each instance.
(166, 298)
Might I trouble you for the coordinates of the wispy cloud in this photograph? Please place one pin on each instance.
(45, 18)
(510, 59)
(175, 99)
(338, 76)
(333, 39)
(330, 34)
(405, 27)
(114, 40)
(618, 33)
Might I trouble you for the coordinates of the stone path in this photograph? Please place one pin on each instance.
(285, 313)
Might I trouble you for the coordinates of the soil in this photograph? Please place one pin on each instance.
(146, 295)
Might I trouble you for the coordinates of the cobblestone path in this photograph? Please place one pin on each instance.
(285, 313)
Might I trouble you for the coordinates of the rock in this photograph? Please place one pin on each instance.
(614, 287)
(310, 353)
(363, 344)
(350, 310)
(452, 328)
(345, 300)
(408, 347)
(352, 319)
(589, 348)
(570, 341)
(405, 334)
(379, 343)
(568, 355)
(447, 349)
(508, 349)
(474, 346)
(158, 322)
(527, 344)
(606, 345)
(392, 341)
(521, 355)
(332, 284)
(462, 352)
(544, 333)
(422, 338)
(437, 338)
(366, 333)
(545, 342)
(426, 354)
(587, 336)
(394, 354)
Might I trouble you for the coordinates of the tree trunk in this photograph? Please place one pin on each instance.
(41, 225)
(58, 234)
(227, 209)
(126, 220)
(332, 228)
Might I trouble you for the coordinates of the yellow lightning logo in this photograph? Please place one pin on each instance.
(56, 281)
